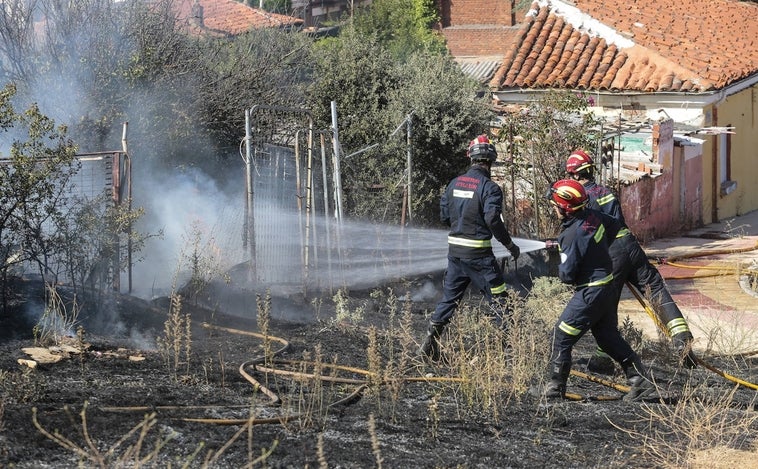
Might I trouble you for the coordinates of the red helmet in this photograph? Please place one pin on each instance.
(569, 195)
(579, 161)
(480, 149)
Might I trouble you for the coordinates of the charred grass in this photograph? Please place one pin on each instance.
(349, 391)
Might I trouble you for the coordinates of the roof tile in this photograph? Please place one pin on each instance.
(687, 45)
(228, 18)
(723, 31)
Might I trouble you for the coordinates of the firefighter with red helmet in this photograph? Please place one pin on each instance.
(630, 264)
(471, 206)
(586, 264)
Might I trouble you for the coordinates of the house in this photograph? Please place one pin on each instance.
(220, 18)
(681, 76)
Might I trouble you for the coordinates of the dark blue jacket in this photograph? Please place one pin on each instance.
(603, 199)
(472, 207)
(583, 242)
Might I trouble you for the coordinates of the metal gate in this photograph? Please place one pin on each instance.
(290, 204)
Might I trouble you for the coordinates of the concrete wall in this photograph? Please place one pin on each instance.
(648, 206)
(741, 111)
(670, 202)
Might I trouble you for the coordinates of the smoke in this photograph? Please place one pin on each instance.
(199, 226)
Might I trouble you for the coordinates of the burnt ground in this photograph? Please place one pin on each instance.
(200, 408)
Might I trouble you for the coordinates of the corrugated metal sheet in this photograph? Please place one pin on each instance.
(481, 69)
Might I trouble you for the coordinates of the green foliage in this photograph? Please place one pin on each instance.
(33, 178)
(92, 236)
(263, 67)
(283, 7)
(403, 27)
(40, 221)
(538, 141)
(375, 94)
(445, 118)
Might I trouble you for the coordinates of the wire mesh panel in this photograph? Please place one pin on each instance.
(94, 177)
(277, 232)
(287, 165)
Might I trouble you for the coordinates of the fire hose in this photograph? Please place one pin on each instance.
(650, 312)
(552, 244)
(273, 367)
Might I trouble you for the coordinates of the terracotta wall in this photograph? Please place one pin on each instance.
(473, 12)
(478, 27)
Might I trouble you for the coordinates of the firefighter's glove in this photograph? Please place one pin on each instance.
(683, 347)
(514, 250)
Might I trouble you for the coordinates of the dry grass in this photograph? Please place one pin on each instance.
(142, 445)
(58, 320)
(704, 420)
(176, 344)
(490, 365)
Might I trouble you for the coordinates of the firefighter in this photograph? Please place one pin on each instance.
(471, 206)
(630, 264)
(585, 263)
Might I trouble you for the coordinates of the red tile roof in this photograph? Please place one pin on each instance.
(228, 17)
(633, 45)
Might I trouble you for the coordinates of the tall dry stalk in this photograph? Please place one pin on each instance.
(263, 318)
(702, 419)
(176, 344)
(375, 446)
(58, 320)
(128, 451)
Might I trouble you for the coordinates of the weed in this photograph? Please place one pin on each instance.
(375, 448)
(433, 417)
(322, 462)
(130, 449)
(58, 320)
(374, 360)
(700, 421)
(317, 303)
(203, 267)
(726, 333)
(633, 335)
(176, 344)
(118, 455)
(344, 314)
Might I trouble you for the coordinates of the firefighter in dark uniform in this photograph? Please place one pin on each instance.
(471, 206)
(630, 264)
(585, 263)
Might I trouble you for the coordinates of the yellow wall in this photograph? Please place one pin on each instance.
(741, 111)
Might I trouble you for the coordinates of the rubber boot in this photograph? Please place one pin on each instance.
(641, 387)
(682, 343)
(601, 363)
(556, 387)
(430, 347)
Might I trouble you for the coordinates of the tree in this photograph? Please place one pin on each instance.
(403, 27)
(446, 116)
(375, 93)
(42, 222)
(538, 139)
(33, 176)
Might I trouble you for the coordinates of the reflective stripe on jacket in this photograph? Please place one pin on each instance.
(583, 243)
(472, 206)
